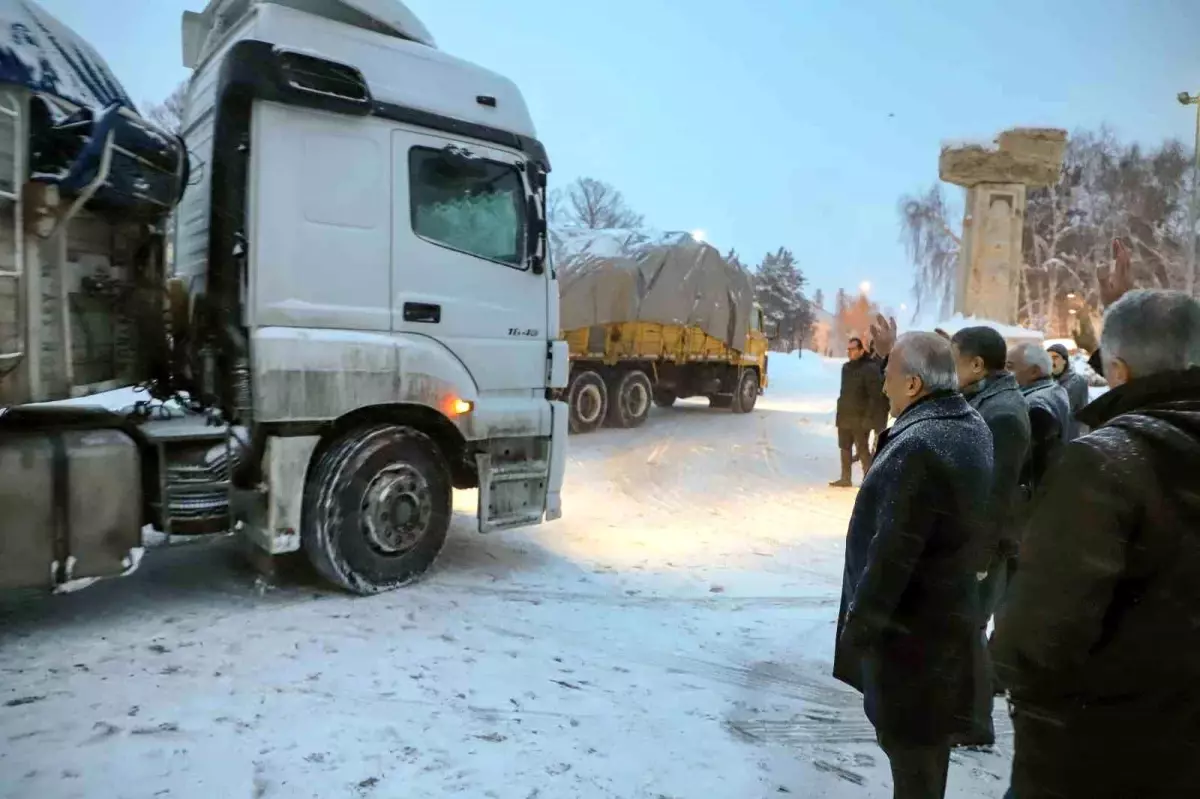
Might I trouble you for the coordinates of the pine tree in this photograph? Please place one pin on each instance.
(779, 289)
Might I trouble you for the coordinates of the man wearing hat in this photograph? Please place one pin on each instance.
(1075, 384)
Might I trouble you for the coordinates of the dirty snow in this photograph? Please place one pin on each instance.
(671, 636)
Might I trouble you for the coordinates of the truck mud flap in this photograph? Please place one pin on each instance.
(511, 494)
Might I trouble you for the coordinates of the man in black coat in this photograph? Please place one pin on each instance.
(908, 630)
(980, 354)
(856, 409)
(1049, 409)
(1100, 639)
(1076, 386)
(880, 410)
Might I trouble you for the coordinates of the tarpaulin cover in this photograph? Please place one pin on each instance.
(40, 53)
(612, 276)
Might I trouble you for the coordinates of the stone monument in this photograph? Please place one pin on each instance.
(996, 179)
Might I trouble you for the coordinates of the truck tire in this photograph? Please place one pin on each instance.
(664, 398)
(630, 398)
(376, 508)
(747, 392)
(588, 401)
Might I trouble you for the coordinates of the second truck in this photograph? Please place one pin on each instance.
(651, 319)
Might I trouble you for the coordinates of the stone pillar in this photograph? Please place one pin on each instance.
(996, 179)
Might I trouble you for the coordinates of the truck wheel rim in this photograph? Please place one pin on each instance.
(587, 404)
(396, 508)
(637, 400)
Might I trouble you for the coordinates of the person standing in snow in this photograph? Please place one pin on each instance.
(1075, 384)
(980, 354)
(1099, 643)
(1049, 409)
(907, 633)
(856, 409)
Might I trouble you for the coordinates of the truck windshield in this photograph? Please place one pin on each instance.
(472, 205)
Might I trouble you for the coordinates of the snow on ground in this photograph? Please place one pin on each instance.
(671, 636)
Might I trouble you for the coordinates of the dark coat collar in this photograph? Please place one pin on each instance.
(1041, 384)
(990, 386)
(947, 404)
(1068, 375)
(1140, 393)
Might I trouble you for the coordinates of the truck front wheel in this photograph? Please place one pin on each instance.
(747, 392)
(630, 398)
(588, 401)
(376, 508)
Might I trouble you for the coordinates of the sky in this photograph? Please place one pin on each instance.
(784, 123)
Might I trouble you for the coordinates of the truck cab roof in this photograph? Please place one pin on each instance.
(202, 30)
(382, 39)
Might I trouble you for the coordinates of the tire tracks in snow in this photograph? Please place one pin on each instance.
(538, 596)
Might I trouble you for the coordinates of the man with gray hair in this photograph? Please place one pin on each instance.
(908, 634)
(1049, 409)
(1099, 642)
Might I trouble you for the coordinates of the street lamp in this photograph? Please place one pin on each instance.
(1192, 99)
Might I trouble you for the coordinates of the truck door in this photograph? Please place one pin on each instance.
(460, 270)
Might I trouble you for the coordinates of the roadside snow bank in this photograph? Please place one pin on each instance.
(1011, 333)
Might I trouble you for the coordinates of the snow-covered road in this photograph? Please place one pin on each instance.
(669, 637)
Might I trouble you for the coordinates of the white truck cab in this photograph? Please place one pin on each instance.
(361, 294)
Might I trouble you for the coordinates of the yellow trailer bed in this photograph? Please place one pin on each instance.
(619, 369)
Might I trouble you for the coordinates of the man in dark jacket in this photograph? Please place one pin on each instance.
(980, 354)
(1049, 409)
(880, 412)
(1076, 385)
(1100, 641)
(908, 630)
(856, 409)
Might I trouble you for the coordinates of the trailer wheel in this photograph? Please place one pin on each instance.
(664, 398)
(588, 401)
(631, 396)
(376, 509)
(747, 392)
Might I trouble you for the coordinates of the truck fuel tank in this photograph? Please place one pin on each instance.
(70, 505)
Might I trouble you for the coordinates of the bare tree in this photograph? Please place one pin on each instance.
(168, 114)
(932, 245)
(594, 205)
(1117, 218)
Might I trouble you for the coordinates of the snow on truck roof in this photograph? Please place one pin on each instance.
(44, 55)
